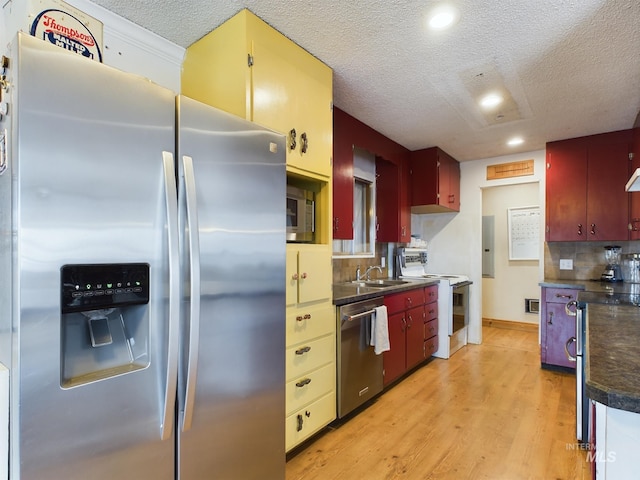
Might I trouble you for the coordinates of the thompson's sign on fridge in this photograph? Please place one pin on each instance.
(59, 23)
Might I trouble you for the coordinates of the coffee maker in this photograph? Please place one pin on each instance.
(613, 271)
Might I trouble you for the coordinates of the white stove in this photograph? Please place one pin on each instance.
(453, 299)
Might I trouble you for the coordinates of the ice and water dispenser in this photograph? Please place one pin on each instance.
(104, 321)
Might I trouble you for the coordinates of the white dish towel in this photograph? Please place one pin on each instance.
(380, 330)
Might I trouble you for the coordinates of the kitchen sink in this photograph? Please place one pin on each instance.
(383, 283)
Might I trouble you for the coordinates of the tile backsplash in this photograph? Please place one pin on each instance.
(588, 258)
(344, 269)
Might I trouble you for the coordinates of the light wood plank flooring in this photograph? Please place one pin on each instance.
(489, 412)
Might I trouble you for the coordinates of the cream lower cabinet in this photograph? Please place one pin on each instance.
(311, 342)
(311, 371)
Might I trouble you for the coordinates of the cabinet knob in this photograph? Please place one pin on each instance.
(304, 142)
(294, 276)
(307, 316)
(579, 229)
(304, 275)
(593, 229)
(299, 318)
(292, 139)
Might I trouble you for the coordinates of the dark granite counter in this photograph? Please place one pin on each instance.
(343, 293)
(592, 286)
(612, 360)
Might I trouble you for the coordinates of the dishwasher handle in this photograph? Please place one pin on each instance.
(350, 318)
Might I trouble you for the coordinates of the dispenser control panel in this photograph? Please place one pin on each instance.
(93, 287)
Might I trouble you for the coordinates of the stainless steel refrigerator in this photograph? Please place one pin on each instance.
(142, 300)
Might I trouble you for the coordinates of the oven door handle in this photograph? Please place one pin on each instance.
(570, 357)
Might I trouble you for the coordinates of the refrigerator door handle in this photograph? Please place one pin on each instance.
(194, 312)
(171, 201)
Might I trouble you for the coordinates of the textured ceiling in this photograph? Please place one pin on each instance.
(568, 67)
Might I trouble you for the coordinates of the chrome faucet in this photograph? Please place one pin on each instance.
(367, 272)
(358, 273)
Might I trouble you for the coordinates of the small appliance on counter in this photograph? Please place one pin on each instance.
(631, 267)
(612, 272)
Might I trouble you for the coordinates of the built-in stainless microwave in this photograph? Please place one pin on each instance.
(300, 215)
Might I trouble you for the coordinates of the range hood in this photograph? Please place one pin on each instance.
(633, 185)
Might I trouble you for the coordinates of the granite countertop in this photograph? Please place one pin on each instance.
(344, 293)
(592, 285)
(612, 360)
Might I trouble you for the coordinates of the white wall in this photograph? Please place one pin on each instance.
(503, 296)
(455, 240)
(127, 46)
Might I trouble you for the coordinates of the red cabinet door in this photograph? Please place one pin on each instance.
(387, 200)
(453, 184)
(435, 180)
(394, 360)
(607, 201)
(342, 178)
(415, 336)
(634, 207)
(566, 190)
(585, 197)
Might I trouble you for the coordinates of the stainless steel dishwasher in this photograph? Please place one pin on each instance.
(359, 368)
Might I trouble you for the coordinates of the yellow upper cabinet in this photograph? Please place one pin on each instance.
(251, 70)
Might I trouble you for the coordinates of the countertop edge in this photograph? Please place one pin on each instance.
(346, 294)
(609, 384)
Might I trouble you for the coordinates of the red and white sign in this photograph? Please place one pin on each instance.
(58, 23)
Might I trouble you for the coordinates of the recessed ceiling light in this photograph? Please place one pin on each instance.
(443, 17)
(491, 100)
(515, 141)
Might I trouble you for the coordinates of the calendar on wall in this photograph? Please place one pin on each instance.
(524, 233)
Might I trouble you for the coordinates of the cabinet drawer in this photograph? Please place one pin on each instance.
(431, 294)
(404, 300)
(310, 355)
(305, 422)
(431, 328)
(303, 324)
(560, 295)
(430, 346)
(307, 388)
(430, 311)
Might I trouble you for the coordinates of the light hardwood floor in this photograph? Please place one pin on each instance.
(489, 412)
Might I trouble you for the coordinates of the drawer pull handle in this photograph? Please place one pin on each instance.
(570, 357)
(299, 422)
(303, 350)
(564, 295)
(304, 382)
(567, 308)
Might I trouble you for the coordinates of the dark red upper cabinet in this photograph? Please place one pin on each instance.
(435, 181)
(634, 207)
(392, 205)
(342, 177)
(585, 196)
(349, 132)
